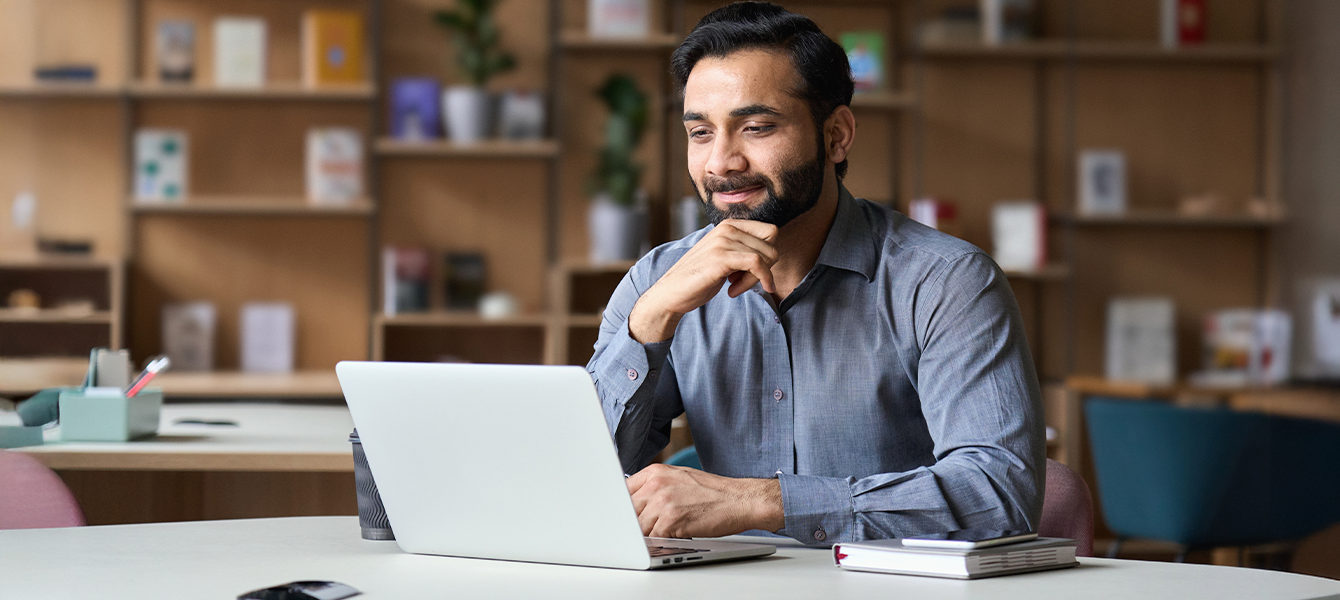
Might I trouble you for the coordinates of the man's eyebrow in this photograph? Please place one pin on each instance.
(694, 116)
(755, 109)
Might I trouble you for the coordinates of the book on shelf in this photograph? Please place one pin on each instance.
(334, 46)
(1181, 22)
(334, 166)
(891, 556)
(936, 213)
(161, 165)
(267, 337)
(1325, 317)
(464, 279)
(1102, 182)
(239, 51)
(1246, 346)
(175, 51)
(405, 276)
(416, 113)
(1019, 234)
(66, 73)
(188, 335)
(618, 18)
(1007, 21)
(865, 54)
(1141, 340)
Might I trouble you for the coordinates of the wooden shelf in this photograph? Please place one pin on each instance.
(584, 320)
(54, 91)
(251, 206)
(580, 40)
(54, 316)
(22, 377)
(889, 101)
(586, 268)
(235, 384)
(271, 91)
(482, 149)
(443, 318)
(1170, 219)
(1052, 272)
(42, 262)
(1104, 50)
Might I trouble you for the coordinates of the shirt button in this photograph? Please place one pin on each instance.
(632, 374)
(776, 319)
(779, 472)
(820, 535)
(777, 394)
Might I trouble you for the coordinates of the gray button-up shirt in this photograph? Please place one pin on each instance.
(892, 392)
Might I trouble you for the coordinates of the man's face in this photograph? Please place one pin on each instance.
(754, 151)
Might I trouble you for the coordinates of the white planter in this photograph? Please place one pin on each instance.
(465, 113)
(617, 233)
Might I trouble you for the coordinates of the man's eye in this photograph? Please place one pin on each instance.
(699, 134)
(759, 128)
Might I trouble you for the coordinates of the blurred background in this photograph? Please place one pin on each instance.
(262, 189)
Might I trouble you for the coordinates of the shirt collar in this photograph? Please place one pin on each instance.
(851, 243)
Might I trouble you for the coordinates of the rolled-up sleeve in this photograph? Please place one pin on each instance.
(980, 398)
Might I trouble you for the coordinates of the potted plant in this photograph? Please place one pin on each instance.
(474, 34)
(618, 212)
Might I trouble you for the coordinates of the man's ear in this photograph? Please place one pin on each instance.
(839, 133)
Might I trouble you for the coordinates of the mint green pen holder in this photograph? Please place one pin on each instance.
(95, 417)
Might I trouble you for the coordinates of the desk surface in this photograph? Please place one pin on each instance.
(220, 559)
(267, 438)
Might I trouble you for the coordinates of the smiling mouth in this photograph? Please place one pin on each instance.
(736, 196)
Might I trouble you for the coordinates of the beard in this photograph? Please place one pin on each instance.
(801, 186)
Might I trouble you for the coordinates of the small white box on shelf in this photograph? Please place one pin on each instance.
(1102, 182)
(267, 337)
(160, 165)
(618, 18)
(334, 165)
(1141, 340)
(239, 51)
(1019, 233)
(188, 335)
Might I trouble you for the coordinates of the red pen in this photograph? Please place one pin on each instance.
(155, 365)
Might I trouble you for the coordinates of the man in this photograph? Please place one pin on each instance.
(846, 373)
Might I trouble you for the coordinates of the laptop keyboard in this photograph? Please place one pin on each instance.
(658, 551)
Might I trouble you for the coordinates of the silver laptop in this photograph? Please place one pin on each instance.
(505, 462)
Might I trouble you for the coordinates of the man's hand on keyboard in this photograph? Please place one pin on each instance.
(682, 502)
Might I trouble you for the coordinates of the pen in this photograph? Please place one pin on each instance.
(155, 365)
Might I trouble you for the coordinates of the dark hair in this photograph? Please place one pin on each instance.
(820, 62)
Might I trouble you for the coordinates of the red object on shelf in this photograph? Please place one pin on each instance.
(1191, 21)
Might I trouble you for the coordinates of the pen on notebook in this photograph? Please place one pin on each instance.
(155, 365)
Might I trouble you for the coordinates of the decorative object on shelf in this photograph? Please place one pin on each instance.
(1141, 342)
(333, 48)
(405, 275)
(1325, 315)
(1006, 21)
(618, 18)
(1246, 346)
(1203, 205)
(267, 337)
(71, 73)
(498, 305)
(521, 115)
(1182, 23)
(415, 113)
(188, 335)
(865, 54)
(239, 51)
(955, 24)
(175, 51)
(474, 34)
(936, 213)
(689, 216)
(1019, 234)
(161, 157)
(1102, 182)
(464, 278)
(18, 237)
(617, 217)
(334, 165)
(24, 299)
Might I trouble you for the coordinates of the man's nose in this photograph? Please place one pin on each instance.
(726, 158)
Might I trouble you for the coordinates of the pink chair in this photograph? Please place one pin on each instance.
(1067, 508)
(33, 496)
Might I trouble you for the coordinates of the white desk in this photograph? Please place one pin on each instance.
(281, 460)
(221, 559)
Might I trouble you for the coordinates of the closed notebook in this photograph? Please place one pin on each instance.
(890, 556)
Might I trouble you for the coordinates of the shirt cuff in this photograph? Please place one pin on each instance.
(631, 364)
(818, 510)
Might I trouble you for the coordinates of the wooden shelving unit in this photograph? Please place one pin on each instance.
(252, 206)
(483, 149)
(271, 91)
(80, 307)
(1105, 50)
(657, 42)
